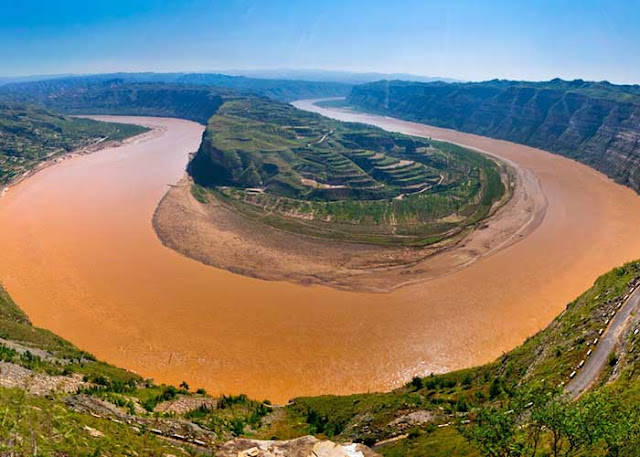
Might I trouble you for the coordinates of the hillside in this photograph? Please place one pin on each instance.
(480, 411)
(118, 97)
(30, 135)
(281, 89)
(595, 123)
(309, 174)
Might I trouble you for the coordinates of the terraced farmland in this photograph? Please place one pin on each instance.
(305, 173)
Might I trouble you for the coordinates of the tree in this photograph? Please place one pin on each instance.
(495, 433)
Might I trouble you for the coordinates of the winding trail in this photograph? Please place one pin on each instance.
(587, 375)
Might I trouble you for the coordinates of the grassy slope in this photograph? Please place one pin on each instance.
(29, 135)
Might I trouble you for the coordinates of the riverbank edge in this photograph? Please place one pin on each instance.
(213, 234)
(151, 132)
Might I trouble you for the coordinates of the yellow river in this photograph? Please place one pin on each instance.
(80, 256)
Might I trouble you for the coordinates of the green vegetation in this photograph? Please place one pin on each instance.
(30, 135)
(304, 173)
(117, 97)
(236, 413)
(592, 122)
(45, 426)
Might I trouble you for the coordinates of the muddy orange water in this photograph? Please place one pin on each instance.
(79, 254)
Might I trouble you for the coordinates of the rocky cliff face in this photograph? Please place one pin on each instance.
(306, 446)
(595, 123)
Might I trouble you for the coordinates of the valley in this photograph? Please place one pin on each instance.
(340, 204)
(319, 229)
(128, 299)
(595, 123)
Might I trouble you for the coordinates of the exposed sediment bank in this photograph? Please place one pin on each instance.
(218, 236)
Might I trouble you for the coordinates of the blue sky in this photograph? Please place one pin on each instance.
(471, 40)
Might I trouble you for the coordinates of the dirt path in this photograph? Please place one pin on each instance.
(588, 374)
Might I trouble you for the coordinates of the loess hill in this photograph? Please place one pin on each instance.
(305, 173)
(596, 123)
(64, 93)
(30, 135)
(117, 97)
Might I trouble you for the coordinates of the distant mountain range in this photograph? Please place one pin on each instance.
(346, 77)
(597, 123)
(98, 95)
(309, 75)
(20, 79)
(282, 90)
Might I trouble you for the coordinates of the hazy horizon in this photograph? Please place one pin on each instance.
(464, 40)
(257, 73)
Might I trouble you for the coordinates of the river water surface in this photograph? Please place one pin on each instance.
(79, 254)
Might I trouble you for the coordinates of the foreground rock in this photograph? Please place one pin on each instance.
(307, 446)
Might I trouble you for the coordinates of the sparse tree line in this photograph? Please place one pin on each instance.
(545, 423)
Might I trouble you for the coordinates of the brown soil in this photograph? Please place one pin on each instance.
(306, 446)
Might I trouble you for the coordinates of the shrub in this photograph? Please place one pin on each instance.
(416, 383)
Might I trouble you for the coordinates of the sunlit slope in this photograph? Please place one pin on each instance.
(306, 173)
